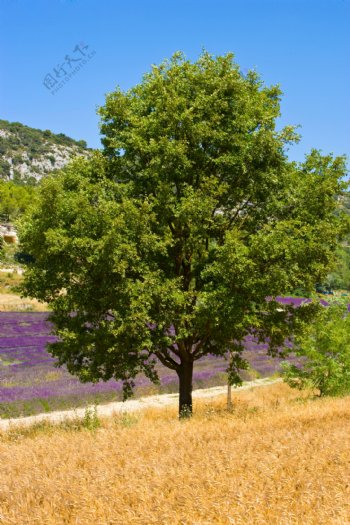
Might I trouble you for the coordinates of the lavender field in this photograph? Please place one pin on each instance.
(30, 383)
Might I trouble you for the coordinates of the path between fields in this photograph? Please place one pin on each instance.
(131, 405)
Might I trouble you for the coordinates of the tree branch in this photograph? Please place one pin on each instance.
(199, 346)
(175, 350)
(232, 220)
(167, 361)
(172, 229)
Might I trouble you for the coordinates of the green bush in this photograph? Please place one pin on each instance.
(91, 420)
(324, 349)
(15, 199)
(340, 277)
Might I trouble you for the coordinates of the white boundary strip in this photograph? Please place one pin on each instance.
(130, 405)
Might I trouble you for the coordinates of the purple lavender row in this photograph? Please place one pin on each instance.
(9, 342)
(33, 330)
(36, 377)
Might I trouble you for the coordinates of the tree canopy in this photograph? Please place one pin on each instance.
(15, 199)
(173, 242)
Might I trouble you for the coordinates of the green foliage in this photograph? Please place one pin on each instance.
(90, 420)
(325, 351)
(4, 166)
(166, 245)
(15, 199)
(33, 139)
(339, 278)
(185, 412)
(7, 254)
(20, 139)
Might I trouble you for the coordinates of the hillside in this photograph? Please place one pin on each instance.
(276, 459)
(27, 154)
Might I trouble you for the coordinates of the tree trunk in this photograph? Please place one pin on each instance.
(229, 396)
(229, 390)
(185, 373)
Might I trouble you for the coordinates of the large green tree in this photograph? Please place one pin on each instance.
(173, 242)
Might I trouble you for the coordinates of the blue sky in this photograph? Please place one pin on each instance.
(301, 44)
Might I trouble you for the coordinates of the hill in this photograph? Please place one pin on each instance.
(27, 154)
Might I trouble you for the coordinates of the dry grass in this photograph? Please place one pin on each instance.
(9, 298)
(10, 302)
(273, 460)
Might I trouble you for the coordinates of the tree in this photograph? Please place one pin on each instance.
(172, 243)
(15, 199)
(339, 278)
(324, 349)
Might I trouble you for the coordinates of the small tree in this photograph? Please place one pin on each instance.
(165, 246)
(324, 349)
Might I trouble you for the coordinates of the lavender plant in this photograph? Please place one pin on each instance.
(30, 382)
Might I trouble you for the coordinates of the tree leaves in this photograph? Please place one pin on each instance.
(167, 244)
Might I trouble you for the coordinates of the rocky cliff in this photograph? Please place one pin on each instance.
(27, 154)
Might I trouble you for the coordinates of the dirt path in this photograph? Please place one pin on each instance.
(131, 405)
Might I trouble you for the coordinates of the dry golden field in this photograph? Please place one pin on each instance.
(275, 459)
(10, 301)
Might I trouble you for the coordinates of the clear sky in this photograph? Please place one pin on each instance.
(301, 44)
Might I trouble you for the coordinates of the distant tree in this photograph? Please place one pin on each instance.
(339, 278)
(15, 199)
(82, 143)
(172, 243)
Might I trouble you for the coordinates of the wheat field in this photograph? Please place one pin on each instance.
(276, 458)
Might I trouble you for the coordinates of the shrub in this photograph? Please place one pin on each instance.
(91, 420)
(324, 349)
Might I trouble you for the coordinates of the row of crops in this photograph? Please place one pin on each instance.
(30, 383)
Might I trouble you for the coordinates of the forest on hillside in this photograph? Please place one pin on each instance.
(27, 153)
